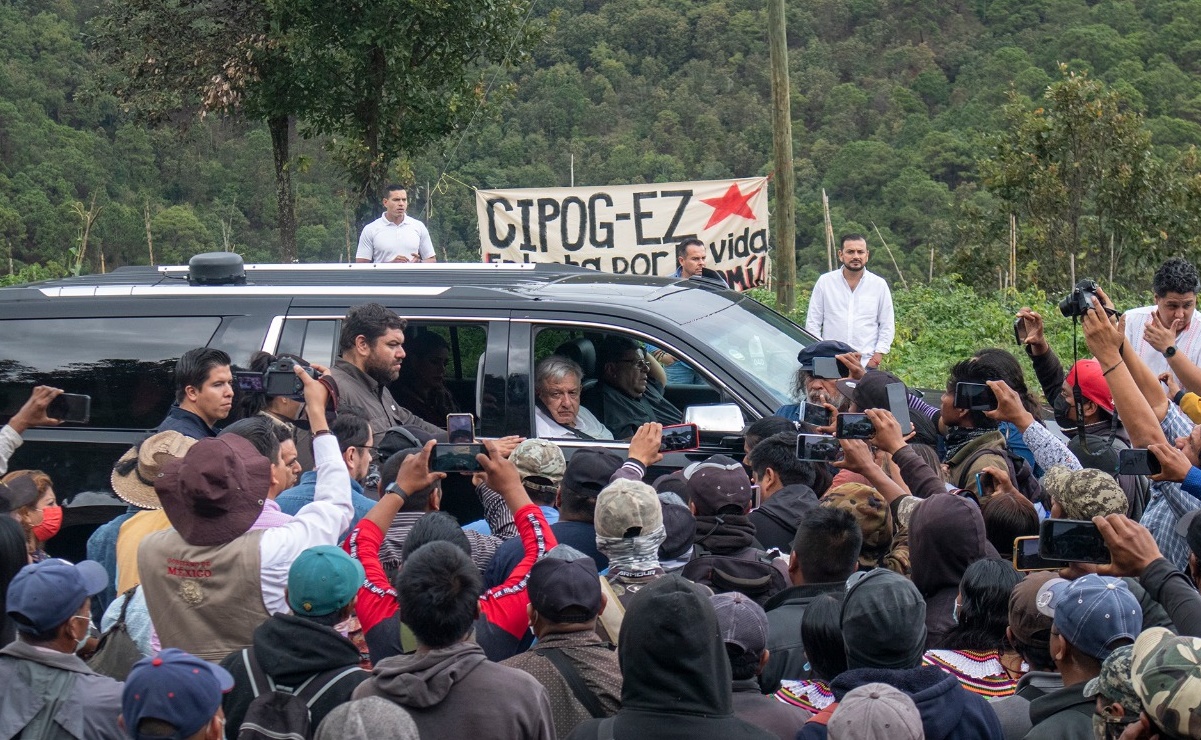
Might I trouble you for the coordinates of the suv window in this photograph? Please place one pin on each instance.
(124, 364)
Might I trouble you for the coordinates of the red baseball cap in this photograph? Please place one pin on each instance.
(1092, 383)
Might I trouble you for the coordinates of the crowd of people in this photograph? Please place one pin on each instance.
(291, 573)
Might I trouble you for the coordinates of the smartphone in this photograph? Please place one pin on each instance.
(975, 397)
(74, 407)
(817, 448)
(1072, 541)
(854, 426)
(983, 481)
(898, 404)
(680, 437)
(249, 381)
(460, 428)
(1019, 330)
(1026, 557)
(456, 458)
(816, 415)
(1138, 462)
(826, 367)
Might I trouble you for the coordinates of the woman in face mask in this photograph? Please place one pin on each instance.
(31, 501)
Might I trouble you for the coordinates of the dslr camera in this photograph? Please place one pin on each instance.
(1080, 301)
(279, 379)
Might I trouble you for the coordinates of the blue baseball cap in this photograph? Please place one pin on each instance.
(824, 348)
(322, 580)
(1095, 614)
(173, 687)
(44, 595)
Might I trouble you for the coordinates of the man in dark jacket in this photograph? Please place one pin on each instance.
(675, 673)
(204, 393)
(293, 648)
(825, 552)
(743, 627)
(786, 485)
(884, 628)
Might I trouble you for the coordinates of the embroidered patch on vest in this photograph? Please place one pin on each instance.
(191, 592)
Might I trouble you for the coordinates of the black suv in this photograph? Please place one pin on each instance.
(116, 337)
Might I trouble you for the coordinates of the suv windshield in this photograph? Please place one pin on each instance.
(760, 341)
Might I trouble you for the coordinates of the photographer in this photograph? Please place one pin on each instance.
(1104, 432)
(285, 410)
(1171, 326)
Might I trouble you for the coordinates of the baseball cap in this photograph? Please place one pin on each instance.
(1189, 527)
(824, 348)
(680, 531)
(716, 483)
(322, 580)
(44, 595)
(1084, 494)
(565, 591)
(1092, 383)
(870, 391)
(173, 687)
(883, 621)
(19, 492)
(740, 621)
(627, 508)
(1115, 683)
(590, 469)
(134, 474)
(216, 491)
(540, 464)
(871, 511)
(1166, 673)
(1092, 612)
(875, 710)
(1029, 625)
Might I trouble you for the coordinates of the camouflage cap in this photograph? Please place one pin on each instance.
(1115, 683)
(873, 514)
(1084, 494)
(538, 458)
(1166, 673)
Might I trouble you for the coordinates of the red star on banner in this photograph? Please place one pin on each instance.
(732, 203)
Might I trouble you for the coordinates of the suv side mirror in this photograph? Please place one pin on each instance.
(716, 417)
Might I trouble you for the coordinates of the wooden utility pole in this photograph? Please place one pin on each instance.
(785, 253)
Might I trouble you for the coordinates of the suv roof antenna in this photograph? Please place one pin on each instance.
(216, 268)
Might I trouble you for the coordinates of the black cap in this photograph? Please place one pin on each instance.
(19, 492)
(589, 470)
(824, 348)
(565, 591)
(680, 525)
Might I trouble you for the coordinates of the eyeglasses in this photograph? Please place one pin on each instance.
(366, 447)
(639, 363)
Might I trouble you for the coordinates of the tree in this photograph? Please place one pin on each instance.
(1079, 173)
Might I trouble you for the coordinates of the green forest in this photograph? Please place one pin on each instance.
(921, 120)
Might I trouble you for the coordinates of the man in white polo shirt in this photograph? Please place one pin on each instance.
(394, 236)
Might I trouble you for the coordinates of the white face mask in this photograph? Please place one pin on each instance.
(87, 632)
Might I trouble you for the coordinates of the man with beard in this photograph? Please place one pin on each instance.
(853, 305)
(372, 347)
(809, 388)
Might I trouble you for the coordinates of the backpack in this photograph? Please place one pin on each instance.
(750, 572)
(1020, 473)
(282, 712)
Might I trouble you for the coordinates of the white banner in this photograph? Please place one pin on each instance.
(631, 229)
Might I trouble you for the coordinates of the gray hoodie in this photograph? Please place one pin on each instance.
(457, 692)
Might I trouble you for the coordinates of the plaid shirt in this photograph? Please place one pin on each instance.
(1169, 501)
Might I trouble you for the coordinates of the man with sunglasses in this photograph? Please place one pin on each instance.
(631, 388)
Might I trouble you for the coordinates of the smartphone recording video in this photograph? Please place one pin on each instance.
(70, 407)
(456, 458)
(1027, 559)
(816, 415)
(680, 437)
(1072, 541)
(854, 426)
(460, 428)
(826, 368)
(975, 397)
(817, 448)
(1138, 462)
(1019, 330)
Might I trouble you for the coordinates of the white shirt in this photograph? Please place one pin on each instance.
(862, 317)
(1188, 342)
(318, 523)
(9, 442)
(585, 422)
(384, 241)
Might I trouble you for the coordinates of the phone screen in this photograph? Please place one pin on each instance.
(70, 407)
(1026, 557)
(680, 437)
(460, 428)
(826, 367)
(1071, 540)
(974, 397)
(456, 458)
(817, 448)
(898, 404)
(816, 415)
(854, 426)
(1138, 462)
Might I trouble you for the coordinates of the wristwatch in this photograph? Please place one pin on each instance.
(1170, 351)
(393, 488)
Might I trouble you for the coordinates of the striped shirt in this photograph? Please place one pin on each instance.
(979, 672)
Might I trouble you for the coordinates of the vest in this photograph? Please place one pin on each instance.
(205, 600)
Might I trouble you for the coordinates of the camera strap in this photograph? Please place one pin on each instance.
(1077, 393)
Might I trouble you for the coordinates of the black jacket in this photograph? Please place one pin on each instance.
(785, 611)
(1176, 593)
(676, 682)
(1063, 714)
(290, 649)
(776, 520)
